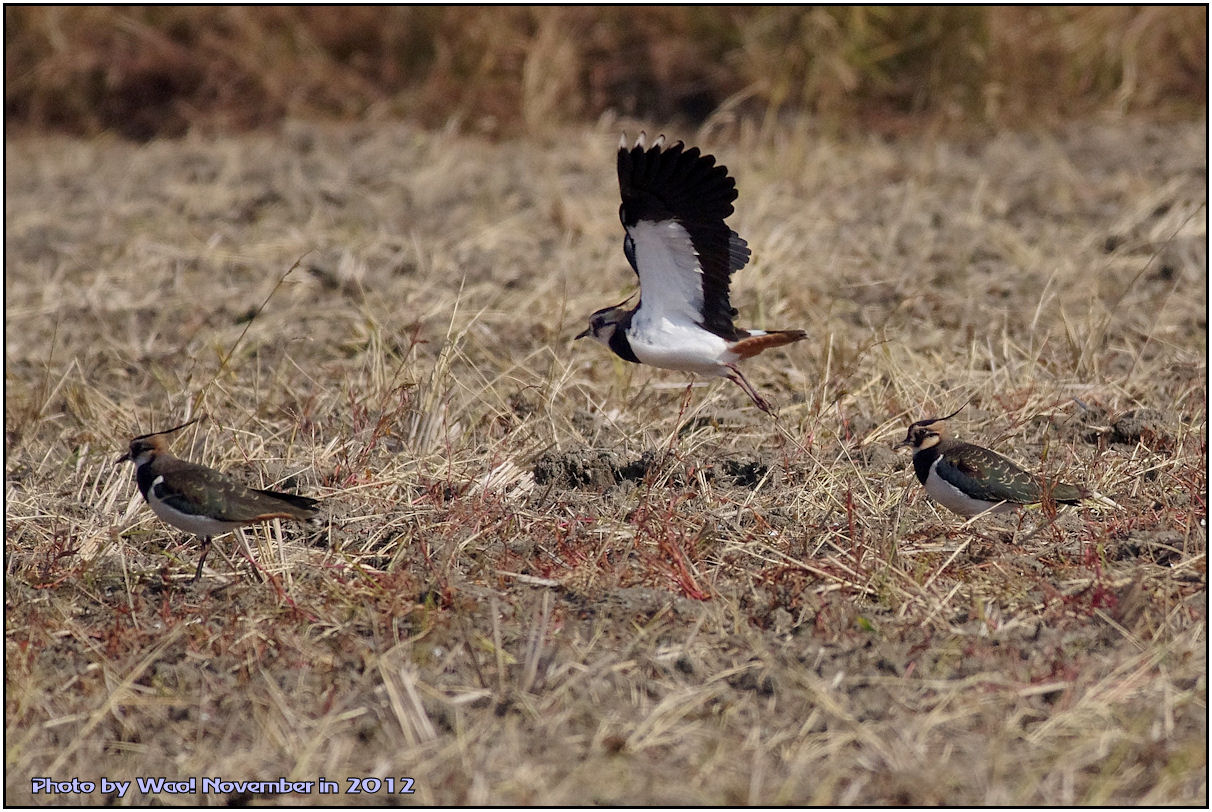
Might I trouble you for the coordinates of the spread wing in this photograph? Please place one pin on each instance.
(675, 201)
(738, 252)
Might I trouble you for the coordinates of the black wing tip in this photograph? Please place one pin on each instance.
(661, 180)
(641, 145)
(302, 503)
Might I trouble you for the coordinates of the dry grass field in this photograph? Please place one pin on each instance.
(543, 576)
(155, 71)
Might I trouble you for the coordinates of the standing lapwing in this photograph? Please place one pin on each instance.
(675, 201)
(201, 500)
(969, 479)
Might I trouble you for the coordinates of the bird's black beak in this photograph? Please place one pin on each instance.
(124, 458)
(588, 331)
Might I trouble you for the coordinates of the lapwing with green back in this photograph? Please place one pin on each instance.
(969, 479)
(200, 500)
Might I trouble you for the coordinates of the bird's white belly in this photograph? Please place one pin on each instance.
(957, 501)
(689, 348)
(198, 525)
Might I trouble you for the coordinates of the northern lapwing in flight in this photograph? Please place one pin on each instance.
(201, 500)
(675, 201)
(969, 479)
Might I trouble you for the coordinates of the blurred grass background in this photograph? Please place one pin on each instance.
(146, 72)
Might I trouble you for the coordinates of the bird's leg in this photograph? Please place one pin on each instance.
(201, 558)
(736, 377)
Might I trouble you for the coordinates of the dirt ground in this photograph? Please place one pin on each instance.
(544, 576)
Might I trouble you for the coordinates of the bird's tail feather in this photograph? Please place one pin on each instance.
(294, 506)
(760, 340)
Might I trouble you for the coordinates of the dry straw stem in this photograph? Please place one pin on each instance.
(543, 576)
